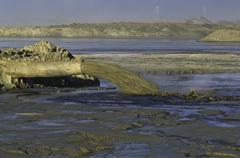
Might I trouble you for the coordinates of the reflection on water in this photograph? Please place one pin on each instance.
(127, 151)
(211, 113)
(224, 84)
(224, 124)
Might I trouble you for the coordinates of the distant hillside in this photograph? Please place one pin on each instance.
(223, 35)
(112, 30)
(199, 21)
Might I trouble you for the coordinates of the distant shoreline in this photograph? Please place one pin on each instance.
(124, 30)
(107, 37)
(111, 30)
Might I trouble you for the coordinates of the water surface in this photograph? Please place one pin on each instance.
(41, 124)
(220, 84)
(122, 46)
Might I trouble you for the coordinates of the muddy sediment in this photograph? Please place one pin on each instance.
(82, 125)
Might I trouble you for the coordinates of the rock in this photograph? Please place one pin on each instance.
(192, 95)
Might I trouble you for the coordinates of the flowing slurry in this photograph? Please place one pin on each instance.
(127, 81)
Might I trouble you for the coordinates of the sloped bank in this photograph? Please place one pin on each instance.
(223, 35)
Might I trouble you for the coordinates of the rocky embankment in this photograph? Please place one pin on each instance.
(44, 52)
(223, 35)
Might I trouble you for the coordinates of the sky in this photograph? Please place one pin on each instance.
(47, 12)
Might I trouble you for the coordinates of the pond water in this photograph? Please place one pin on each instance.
(220, 84)
(84, 46)
(42, 124)
(223, 84)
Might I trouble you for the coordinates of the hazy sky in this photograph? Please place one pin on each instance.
(44, 12)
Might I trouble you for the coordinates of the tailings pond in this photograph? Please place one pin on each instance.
(101, 122)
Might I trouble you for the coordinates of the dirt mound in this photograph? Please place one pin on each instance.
(44, 51)
(223, 35)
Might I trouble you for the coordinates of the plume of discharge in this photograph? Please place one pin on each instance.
(127, 81)
(204, 11)
(157, 11)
